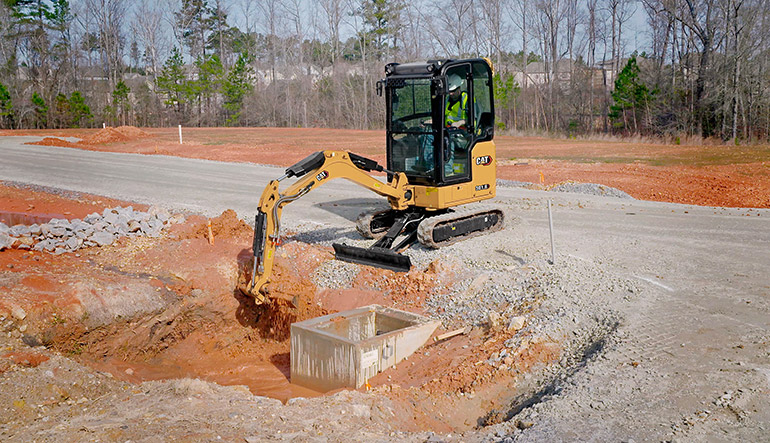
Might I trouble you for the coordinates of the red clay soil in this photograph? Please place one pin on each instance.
(701, 174)
(744, 185)
(111, 135)
(196, 324)
(200, 325)
(19, 204)
(53, 141)
(103, 136)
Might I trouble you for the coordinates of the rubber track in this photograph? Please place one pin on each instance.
(425, 230)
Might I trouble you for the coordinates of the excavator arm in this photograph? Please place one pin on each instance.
(312, 172)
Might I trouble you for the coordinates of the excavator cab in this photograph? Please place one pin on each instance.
(437, 112)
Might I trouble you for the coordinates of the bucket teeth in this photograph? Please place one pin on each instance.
(377, 257)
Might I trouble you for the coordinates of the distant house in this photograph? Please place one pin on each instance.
(538, 73)
(93, 74)
(609, 74)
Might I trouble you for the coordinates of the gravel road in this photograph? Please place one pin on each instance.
(668, 304)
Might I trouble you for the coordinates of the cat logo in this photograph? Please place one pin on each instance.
(482, 187)
(484, 160)
(321, 175)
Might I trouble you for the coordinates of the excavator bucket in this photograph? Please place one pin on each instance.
(377, 257)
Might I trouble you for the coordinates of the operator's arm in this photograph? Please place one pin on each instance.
(312, 172)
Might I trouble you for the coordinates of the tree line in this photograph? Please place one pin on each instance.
(664, 68)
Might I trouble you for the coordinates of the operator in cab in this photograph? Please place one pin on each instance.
(455, 116)
(457, 103)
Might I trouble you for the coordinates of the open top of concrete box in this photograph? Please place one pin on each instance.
(347, 348)
(364, 323)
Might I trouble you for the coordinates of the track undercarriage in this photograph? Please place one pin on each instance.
(396, 230)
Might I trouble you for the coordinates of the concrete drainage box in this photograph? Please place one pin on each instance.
(345, 349)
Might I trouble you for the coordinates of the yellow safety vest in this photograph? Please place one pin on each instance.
(457, 111)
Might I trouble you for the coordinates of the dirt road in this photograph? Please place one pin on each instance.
(711, 174)
(659, 314)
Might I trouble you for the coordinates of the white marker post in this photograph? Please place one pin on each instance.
(550, 225)
(180, 134)
(104, 125)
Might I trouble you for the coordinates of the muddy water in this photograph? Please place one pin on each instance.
(261, 377)
(222, 357)
(26, 218)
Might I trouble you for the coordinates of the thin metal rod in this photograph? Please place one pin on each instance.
(550, 225)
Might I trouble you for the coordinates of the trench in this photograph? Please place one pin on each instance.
(227, 339)
(191, 339)
(184, 341)
(581, 352)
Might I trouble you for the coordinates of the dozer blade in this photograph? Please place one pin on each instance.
(377, 257)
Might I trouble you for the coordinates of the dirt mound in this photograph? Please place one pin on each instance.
(110, 135)
(131, 131)
(53, 141)
(225, 226)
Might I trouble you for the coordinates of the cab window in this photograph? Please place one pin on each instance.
(482, 97)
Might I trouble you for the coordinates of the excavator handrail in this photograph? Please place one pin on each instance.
(313, 171)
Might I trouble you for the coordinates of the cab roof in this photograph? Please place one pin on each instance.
(428, 68)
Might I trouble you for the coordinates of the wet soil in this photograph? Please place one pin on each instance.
(154, 309)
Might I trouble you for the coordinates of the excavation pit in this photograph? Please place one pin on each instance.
(345, 349)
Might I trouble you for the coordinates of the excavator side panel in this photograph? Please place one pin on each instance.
(481, 187)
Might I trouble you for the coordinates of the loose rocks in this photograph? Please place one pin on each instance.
(59, 235)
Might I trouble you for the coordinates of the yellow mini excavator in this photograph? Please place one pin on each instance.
(440, 154)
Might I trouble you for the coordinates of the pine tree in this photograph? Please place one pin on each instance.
(41, 111)
(80, 113)
(120, 102)
(506, 91)
(6, 108)
(172, 82)
(631, 97)
(235, 88)
(61, 113)
(209, 82)
(383, 25)
(196, 20)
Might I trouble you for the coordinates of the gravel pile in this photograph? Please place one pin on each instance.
(514, 184)
(569, 186)
(60, 235)
(590, 189)
(336, 274)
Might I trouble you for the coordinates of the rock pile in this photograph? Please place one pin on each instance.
(60, 235)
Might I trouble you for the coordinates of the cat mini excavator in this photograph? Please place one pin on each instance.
(440, 155)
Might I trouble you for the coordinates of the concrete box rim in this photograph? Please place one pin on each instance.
(313, 323)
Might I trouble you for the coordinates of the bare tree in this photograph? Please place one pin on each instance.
(147, 27)
(333, 13)
(220, 21)
(550, 15)
(455, 19)
(248, 9)
(415, 38)
(497, 29)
